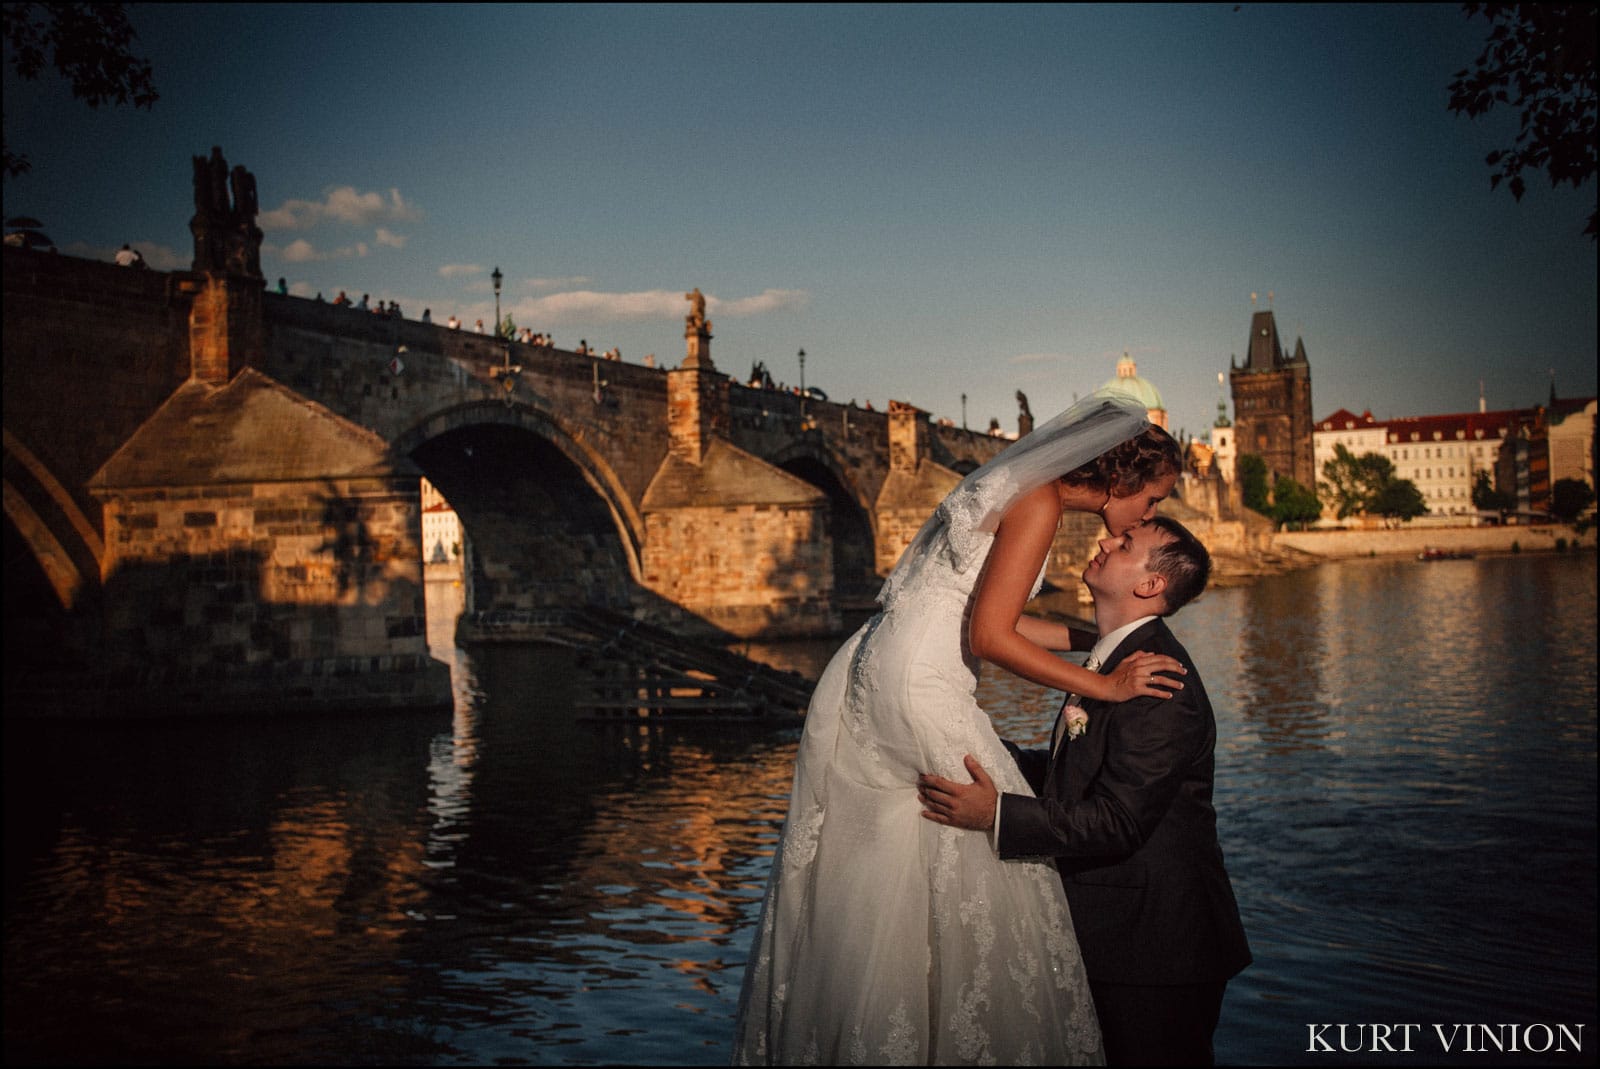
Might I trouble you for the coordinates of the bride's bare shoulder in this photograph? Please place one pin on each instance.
(1037, 507)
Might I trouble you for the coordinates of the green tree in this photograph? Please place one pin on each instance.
(1568, 499)
(1352, 483)
(1294, 503)
(1253, 482)
(1545, 54)
(1399, 499)
(1487, 498)
(88, 44)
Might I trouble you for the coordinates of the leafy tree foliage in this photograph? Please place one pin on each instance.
(1352, 483)
(1545, 54)
(1399, 499)
(1294, 503)
(88, 44)
(1486, 497)
(1253, 482)
(1366, 485)
(1569, 497)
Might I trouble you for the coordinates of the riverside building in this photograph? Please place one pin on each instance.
(1525, 452)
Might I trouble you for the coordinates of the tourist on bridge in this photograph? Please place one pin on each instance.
(127, 256)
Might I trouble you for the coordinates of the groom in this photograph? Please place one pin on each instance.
(1124, 806)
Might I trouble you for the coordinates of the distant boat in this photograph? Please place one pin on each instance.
(1435, 553)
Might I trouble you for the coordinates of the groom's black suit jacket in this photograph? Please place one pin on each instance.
(1125, 809)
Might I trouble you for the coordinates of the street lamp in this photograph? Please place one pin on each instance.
(507, 372)
(805, 421)
(963, 411)
(497, 276)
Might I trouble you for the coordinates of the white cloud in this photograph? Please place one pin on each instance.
(301, 251)
(762, 303)
(588, 305)
(460, 270)
(557, 283)
(1036, 358)
(388, 237)
(345, 204)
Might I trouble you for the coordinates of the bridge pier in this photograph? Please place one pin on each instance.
(261, 553)
(731, 538)
(914, 487)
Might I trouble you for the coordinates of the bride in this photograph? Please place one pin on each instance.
(885, 938)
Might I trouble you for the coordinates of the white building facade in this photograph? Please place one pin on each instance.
(1441, 455)
(441, 529)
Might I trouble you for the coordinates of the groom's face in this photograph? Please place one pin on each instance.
(1122, 564)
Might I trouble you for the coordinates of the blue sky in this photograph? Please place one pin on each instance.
(931, 201)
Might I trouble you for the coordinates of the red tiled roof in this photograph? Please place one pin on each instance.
(1345, 420)
(1492, 424)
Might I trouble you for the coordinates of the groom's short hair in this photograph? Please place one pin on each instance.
(1181, 560)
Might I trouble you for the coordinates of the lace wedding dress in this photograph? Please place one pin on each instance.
(885, 938)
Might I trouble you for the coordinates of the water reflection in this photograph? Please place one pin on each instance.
(1280, 624)
(1406, 782)
(1390, 843)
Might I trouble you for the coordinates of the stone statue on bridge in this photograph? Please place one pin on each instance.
(226, 238)
(696, 319)
(1024, 416)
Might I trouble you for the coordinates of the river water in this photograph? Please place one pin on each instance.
(1406, 789)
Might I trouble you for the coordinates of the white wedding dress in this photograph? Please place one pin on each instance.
(884, 938)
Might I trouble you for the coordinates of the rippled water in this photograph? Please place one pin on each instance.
(1407, 794)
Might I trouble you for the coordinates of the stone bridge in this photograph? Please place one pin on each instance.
(215, 483)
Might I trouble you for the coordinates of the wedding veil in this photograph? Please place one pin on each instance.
(1078, 435)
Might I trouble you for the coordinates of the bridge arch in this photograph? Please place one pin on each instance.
(852, 524)
(545, 522)
(63, 540)
(550, 427)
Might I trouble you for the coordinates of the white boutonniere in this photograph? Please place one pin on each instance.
(1077, 721)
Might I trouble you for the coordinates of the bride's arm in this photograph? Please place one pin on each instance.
(1053, 635)
(995, 631)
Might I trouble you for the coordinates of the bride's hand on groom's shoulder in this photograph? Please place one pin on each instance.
(959, 805)
(1144, 675)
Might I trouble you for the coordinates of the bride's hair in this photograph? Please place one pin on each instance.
(1125, 468)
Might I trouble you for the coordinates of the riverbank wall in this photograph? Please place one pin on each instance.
(1408, 542)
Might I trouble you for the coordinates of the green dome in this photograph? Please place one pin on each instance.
(1129, 384)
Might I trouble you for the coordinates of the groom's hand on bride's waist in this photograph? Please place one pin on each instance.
(959, 805)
